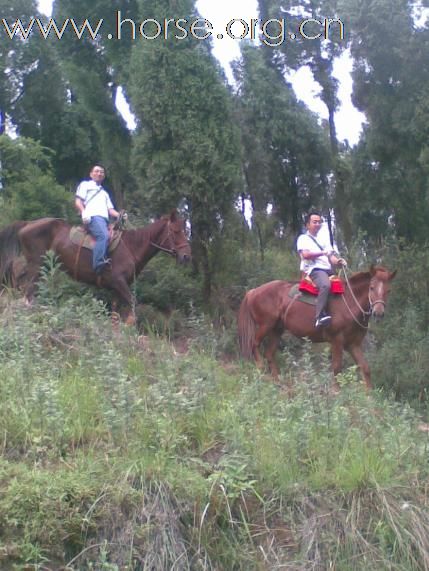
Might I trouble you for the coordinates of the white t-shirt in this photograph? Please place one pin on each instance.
(96, 200)
(305, 242)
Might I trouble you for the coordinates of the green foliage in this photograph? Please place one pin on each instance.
(178, 132)
(390, 166)
(286, 152)
(16, 58)
(121, 451)
(401, 344)
(29, 188)
(50, 117)
(186, 149)
(118, 451)
(406, 353)
(319, 56)
(167, 286)
(54, 286)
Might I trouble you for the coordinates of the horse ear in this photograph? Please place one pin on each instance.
(372, 270)
(173, 215)
(392, 275)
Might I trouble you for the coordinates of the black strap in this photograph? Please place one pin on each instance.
(93, 196)
(315, 241)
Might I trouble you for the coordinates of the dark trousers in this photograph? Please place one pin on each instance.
(321, 279)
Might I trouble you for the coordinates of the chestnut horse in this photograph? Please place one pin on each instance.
(268, 310)
(135, 249)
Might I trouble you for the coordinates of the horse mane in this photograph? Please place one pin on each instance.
(360, 276)
(357, 277)
(135, 235)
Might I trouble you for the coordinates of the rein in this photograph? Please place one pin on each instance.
(364, 313)
(170, 251)
(352, 314)
(77, 257)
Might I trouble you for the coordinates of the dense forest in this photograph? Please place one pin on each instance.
(205, 146)
(155, 447)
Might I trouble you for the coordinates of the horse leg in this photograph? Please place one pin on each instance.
(261, 333)
(125, 296)
(273, 344)
(33, 270)
(359, 358)
(337, 359)
(115, 317)
(34, 259)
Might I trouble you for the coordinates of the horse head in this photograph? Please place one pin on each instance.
(175, 240)
(379, 287)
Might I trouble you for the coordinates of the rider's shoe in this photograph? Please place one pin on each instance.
(105, 264)
(322, 321)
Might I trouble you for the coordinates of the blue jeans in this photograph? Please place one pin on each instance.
(98, 229)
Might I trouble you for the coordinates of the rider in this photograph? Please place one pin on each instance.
(317, 259)
(95, 207)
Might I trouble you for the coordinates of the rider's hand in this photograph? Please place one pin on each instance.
(124, 216)
(86, 220)
(342, 262)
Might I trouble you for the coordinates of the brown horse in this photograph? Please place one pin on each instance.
(133, 252)
(268, 310)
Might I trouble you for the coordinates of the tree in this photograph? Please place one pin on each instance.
(91, 71)
(186, 147)
(391, 79)
(16, 58)
(53, 117)
(29, 189)
(286, 156)
(62, 92)
(305, 21)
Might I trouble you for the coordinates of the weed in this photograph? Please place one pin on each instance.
(123, 455)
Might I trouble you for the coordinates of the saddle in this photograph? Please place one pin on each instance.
(82, 238)
(306, 290)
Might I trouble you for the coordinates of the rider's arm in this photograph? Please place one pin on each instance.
(309, 255)
(79, 205)
(113, 213)
(335, 260)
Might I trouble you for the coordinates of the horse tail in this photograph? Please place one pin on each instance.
(10, 249)
(246, 329)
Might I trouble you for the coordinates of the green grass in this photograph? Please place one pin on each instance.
(120, 453)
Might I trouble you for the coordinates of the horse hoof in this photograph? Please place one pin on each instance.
(130, 320)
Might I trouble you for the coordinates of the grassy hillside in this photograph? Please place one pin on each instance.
(119, 452)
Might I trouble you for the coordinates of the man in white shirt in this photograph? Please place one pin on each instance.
(317, 258)
(95, 207)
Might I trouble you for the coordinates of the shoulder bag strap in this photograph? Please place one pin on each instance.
(93, 196)
(315, 241)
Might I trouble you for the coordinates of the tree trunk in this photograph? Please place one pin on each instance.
(341, 201)
(322, 71)
(255, 222)
(200, 258)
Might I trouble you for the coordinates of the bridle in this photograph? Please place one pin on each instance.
(168, 238)
(372, 302)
